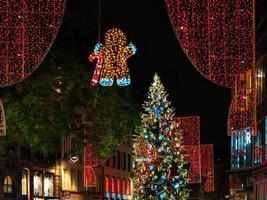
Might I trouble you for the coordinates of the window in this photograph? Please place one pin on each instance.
(48, 185)
(8, 185)
(38, 184)
(129, 162)
(24, 183)
(128, 187)
(123, 186)
(113, 161)
(70, 180)
(119, 160)
(119, 186)
(108, 184)
(124, 161)
(107, 162)
(113, 184)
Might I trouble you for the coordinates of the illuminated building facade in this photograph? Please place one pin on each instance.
(248, 174)
(25, 175)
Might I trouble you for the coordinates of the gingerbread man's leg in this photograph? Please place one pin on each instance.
(107, 75)
(123, 75)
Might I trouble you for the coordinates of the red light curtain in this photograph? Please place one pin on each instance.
(219, 39)
(207, 166)
(27, 31)
(190, 130)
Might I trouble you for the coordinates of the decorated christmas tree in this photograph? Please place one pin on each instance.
(160, 169)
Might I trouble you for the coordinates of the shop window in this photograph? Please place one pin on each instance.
(48, 185)
(70, 180)
(38, 184)
(8, 185)
(24, 183)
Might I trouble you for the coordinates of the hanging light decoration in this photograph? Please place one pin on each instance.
(217, 36)
(207, 166)
(112, 59)
(219, 39)
(242, 113)
(2, 120)
(27, 31)
(90, 161)
(190, 129)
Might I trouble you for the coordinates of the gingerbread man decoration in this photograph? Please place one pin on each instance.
(112, 59)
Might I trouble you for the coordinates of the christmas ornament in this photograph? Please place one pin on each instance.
(112, 59)
(27, 31)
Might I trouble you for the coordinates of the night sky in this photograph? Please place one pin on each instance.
(147, 25)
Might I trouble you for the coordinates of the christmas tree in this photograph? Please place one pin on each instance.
(159, 159)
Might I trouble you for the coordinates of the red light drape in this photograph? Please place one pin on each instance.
(27, 31)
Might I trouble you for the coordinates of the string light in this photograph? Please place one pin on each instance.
(217, 36)
(112, 59)
(27, 30)
(2, 120)
(207, 166)
(90, 161)
(219, 39)
(159, 157)
(242, 112)
(190, 129)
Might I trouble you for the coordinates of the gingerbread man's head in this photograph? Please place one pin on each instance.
(115, 39)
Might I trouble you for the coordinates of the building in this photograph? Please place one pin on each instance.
(248, 174)
(31, 176)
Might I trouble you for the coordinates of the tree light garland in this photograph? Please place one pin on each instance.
(112, 59)
(27, 31)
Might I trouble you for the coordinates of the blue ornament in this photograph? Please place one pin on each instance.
(161, 137)
(176, 186)
(161, 108)
(163, 177)
(147, 109)
(146, 136)
(151, 168)
(162, 196)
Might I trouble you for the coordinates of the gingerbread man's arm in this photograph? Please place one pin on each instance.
(129, 50)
